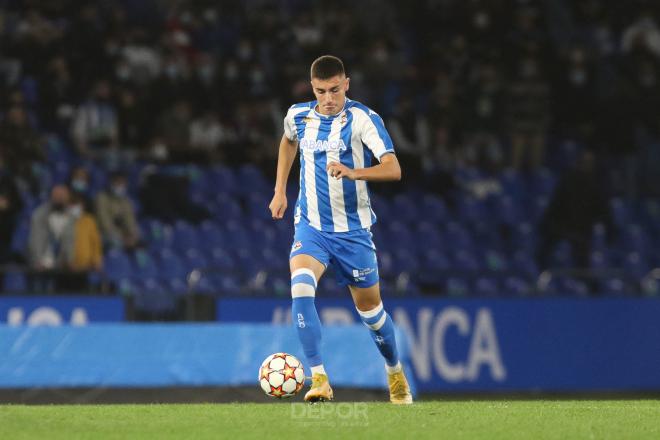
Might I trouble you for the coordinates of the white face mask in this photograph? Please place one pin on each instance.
(75, 211)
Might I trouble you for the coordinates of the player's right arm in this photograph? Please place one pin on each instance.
(285, 158)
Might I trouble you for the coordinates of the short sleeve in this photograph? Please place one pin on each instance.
(290, 127)
(375, 136)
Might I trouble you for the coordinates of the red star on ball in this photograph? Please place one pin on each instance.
(277, 392)
(289, 372)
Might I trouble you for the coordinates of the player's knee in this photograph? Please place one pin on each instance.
(303, 283)
(374, 317)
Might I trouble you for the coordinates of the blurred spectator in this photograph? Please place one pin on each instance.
(50, 229)
(57, 94)
(10, 208)
(410, 133)
(206, 134)
(577, 204)
(79, 182)
(20, 145)
(174, 128)
(643, 34)
(134, 121)
(575, 97)
(116, 215)
(95, 126)
(86, 252)
(529, 115)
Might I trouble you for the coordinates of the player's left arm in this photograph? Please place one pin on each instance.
(388, 169)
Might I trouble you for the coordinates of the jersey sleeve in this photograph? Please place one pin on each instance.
(375, 136)
(290, 127)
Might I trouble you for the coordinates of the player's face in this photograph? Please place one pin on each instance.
(330, 93)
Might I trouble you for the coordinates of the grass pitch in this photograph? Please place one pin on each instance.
(518, 419)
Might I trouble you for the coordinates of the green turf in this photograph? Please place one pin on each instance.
(519, 419)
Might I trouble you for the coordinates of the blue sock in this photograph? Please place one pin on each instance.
(304, 315)
(382, 331)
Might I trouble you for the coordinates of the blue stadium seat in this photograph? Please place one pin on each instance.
(485, 286)
(14, 282)
(495, 261)
(434, 208)
(117, 265)
(562, 256)
(211, 235)
(612, 287)
(194, 259)
(465, 260)
(523, 237)
(471, 210)
(457, 286)
(636, 265)
(223, 180)
(507, 210)
(621, 212)
(170, 265)
(144, 265)
(429, 234)
(381, 207)
(226, 284)
(457, 237)
(517, 286)
(184, 236)
(400, 236)
(523, 263)
(543, 182)
(220, 258)
(405, 261)
(238, 236)
(250, 180)
(405, 208)
(434, 260)
(386, 263)
(513, 184)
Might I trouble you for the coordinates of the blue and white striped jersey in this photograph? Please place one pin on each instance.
(323, 202)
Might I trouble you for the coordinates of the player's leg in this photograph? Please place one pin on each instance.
(308, 260)
(357, 264)
(305, 273)
(370, 307)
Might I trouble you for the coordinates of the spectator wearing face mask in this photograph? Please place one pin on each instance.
(116, 214)
(84, 252)
(48, 231)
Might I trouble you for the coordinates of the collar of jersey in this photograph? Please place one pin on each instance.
(315, 103)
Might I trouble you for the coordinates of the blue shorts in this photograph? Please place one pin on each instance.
(352, 254)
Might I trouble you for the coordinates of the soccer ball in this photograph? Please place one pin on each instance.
(281, 375)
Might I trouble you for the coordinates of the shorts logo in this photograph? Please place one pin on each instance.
(361, 274)
(297, 245)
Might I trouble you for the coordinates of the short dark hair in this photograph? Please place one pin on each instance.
(326, 67)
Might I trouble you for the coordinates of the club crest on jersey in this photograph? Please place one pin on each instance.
(344, 119)
(323, 145)
(297, 245)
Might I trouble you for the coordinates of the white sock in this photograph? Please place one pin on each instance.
(394, 369)
(318, 370)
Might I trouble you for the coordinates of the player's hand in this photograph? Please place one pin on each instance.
(338, 170)
(278, 206)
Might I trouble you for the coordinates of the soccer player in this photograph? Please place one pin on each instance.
(337, 138)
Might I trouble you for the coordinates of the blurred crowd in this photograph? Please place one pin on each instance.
(489, 84)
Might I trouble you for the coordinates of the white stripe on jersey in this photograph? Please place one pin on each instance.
(369, 132)
(363, 210)
(336, 187)
(309, 174)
